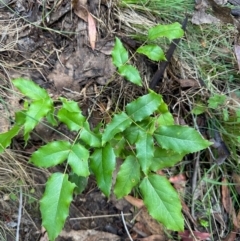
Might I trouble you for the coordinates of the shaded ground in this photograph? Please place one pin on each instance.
(47, 42)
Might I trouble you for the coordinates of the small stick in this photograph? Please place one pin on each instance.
(101, 216)
(125, 226)
(19, 215)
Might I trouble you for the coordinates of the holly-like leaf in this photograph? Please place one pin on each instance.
(165, 119)
(180, 139)
(119, 54)
(143, 106)
(131, 74)
(128, 177)
(51, 154)
(131, 133)
(6, 138)
(118, 124)
(164, 158)
(37, 110)
(170, 31)
(78, 160)
(102, 163)
(30, 89)
(89, 137)
(162, 201)
(71, 115)
(119, 146)
(54, 205)
(144, 148)
(51, 118)
(80, 182)
(152, 51)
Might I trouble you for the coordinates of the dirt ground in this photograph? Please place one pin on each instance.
(53, 44)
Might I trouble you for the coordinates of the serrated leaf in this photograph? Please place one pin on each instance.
(128, 177)
(165, 119)
(143, 106)
(170, 31)
(51, 118)
(30, 89)
(119, 54)
(130, 73)
(144, 148)
(180, 139)
(6, 138)
(119, 146)
(20, 117)
(131, 134)
(162, 201)
(37, 110)
(73, 120)
(51, 154)
(164, 158)
(70, 105)
(54, 205)
(102, 163)
(152, 51)
(78, 160)
(89, 137)
(118, 124)
(80, 182)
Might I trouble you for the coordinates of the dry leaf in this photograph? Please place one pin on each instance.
(187, 235)
(237, 53)
(155, 237)
(226, 199)
(92, 31)
(80, 9)
(136, 202)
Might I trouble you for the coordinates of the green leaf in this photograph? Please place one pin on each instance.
(153, 52)
(30, 89)
(217, 100)
(166, 117)
(6, 138)
(78, 160)
(128, 177)
(118, 124)
(144, 147)
(73, 120)
(199, 109)
(119, 54)
(165, 158)
(119, 146)
(54, 205)
(89, 137)
(80, 182)
(102, 163)
(37, 110)
(162, 201)
(180, 139)
(51, 154)
(143, 106)
(170, 31)
(70, 105)
(131, 74)
(71, 115)
(131, 134)
(20, 117)
(51, 118)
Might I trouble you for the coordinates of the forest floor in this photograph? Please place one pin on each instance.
(53, 44)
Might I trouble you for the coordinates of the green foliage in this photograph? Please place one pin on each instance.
(144, 137)
(55, 203)
(151, 50)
